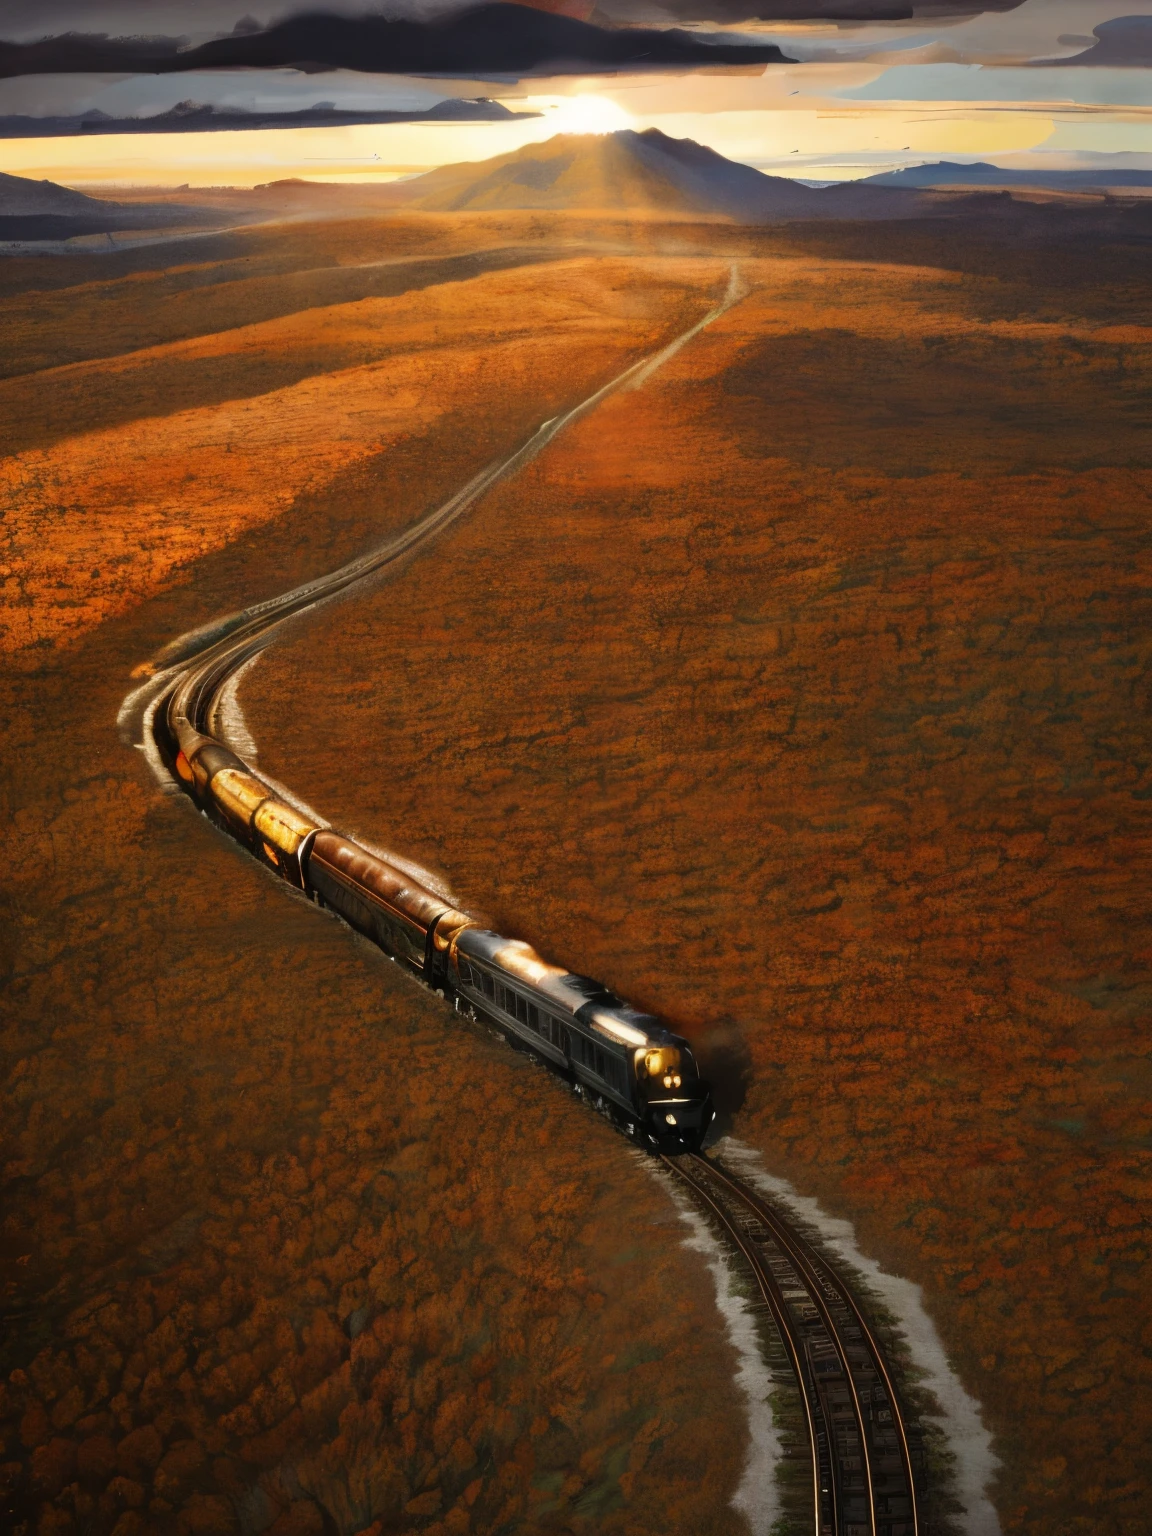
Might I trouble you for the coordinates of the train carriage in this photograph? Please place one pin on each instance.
(375, 897)
(239, 800)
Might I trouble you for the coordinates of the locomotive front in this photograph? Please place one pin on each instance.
(675, 1101)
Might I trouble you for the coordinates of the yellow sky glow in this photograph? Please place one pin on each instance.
(761, 124)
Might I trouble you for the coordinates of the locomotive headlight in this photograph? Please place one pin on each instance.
(668, 1082)
(676, 1080)
(671, 1119)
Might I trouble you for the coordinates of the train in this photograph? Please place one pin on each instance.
(627, 1064)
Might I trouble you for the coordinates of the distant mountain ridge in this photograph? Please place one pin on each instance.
(643, 173)
(981, 173)
(649, 172)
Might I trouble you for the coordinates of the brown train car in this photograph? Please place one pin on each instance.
(381, 901)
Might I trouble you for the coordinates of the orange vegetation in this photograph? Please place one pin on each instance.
(102, 516)
(803, 695)
(287, 1246)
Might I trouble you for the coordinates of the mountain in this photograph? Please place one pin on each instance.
(21, 198)
(948, 173)
(41, 210)
(644, 172)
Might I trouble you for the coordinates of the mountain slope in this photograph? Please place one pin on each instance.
(642, 172)
(22, 198)
(647, 173)
(42, 210)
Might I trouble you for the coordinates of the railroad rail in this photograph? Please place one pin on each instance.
(865, 1459)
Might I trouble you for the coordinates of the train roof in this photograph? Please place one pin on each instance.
(393, 886)
(589, 1001)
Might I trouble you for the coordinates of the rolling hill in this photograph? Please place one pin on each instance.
(22, 198)
(642, 172)
(43, 210)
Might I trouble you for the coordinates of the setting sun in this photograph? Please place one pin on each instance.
(581, 113)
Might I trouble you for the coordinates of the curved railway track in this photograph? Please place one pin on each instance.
(200, 662)
(864, 1461)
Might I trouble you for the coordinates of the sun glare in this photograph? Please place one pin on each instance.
(581, 114)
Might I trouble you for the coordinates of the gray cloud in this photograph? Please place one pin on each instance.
(1123, 43)
(28, 20)
(198, 21)
(852, 11)
(485, 40)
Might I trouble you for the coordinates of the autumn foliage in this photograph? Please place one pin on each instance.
(104, 505)
(803, 695)
(289, 1247)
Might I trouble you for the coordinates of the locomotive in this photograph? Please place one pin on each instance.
(627, 1064)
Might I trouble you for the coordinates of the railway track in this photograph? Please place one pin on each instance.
(201, 662)
(865, 1460)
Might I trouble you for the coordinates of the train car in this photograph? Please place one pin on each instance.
(224, 786)
(626, 1062)
(374, 896)
(385, 903)
(377, 898)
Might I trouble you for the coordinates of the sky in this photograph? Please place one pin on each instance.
(864, 95)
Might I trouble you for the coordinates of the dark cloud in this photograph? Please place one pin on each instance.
(814, 10)
(87, 53)
(199, 20)
(1125, 43)
(487, 40)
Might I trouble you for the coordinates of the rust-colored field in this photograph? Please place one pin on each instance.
(122, 497)
(803, 695)
(286, 1247)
